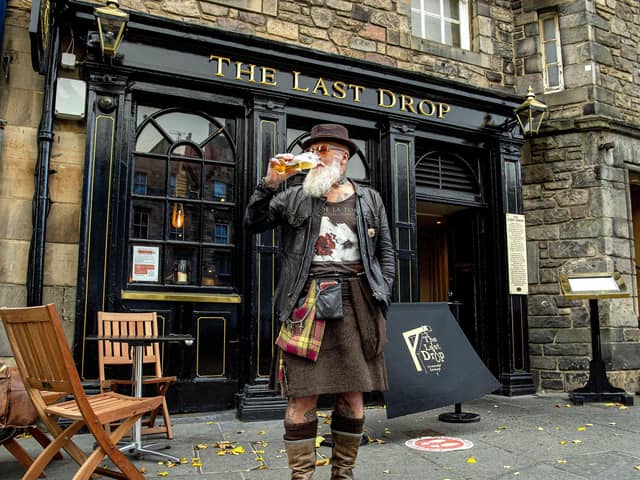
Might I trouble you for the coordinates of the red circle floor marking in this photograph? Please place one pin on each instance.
(439, 444)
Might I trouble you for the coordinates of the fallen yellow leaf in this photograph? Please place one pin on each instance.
(259, 452)
(588, 424)
(612, 423)
(196, 464)
(322, 462)
(563, 442)
(259, 459)
(201, 446)
(163, 474)
(561, 461)
(581, 429)
(576, 441)
(541, 429)
(386, 472)
(471, 460)
(261, 432)
(183, 460)
(208, 423)
(238, 450)
(319, 440)
(637, 467)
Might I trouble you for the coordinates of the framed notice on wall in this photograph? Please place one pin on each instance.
(145, 263)
(517, 254)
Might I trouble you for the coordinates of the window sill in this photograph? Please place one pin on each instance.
(449, 52)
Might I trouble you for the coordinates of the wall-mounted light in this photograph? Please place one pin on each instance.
(111, 25)
(530, 114)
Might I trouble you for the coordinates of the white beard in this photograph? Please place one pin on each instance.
(320, 180)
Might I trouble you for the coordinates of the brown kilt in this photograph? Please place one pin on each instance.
(351, 358)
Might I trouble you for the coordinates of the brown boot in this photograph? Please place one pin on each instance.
(343, 457)
(302, 458)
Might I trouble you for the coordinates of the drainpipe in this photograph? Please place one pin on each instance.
(41, 201)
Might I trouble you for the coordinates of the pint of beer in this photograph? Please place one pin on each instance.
(289, 163)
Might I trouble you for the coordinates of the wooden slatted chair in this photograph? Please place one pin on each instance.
(45, 363)
(138, 324)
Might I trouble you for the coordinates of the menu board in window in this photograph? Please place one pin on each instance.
(145, 263)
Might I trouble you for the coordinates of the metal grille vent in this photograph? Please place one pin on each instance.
(446, 171)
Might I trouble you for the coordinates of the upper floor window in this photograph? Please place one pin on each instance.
(444, 21)
(551, 52)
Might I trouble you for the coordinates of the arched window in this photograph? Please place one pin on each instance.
(183, 198)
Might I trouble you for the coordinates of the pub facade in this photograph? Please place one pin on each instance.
(144, 161)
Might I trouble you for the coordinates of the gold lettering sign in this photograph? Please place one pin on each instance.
(266, 76)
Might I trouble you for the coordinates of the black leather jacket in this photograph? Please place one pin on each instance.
(299, 216)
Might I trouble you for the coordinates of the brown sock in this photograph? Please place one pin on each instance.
(346, 424)
(300, 431)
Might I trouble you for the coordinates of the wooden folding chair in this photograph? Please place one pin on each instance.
(139, 324)
(45, 363)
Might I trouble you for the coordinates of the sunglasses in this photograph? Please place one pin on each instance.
(324, 148)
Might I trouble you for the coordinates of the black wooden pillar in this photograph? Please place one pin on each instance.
(512, 326)
(268, 134)
(398, 164)
(105, 100)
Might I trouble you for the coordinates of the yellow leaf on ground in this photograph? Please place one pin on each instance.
(561, 461)
(259, 452)
(208, 423)
(319, 440)
(259, 459)
(576, 441)
(238, 450)
(540, 429)
(183, 460)
(201, 446)
(637, 467)
(471, 460)
(563, 442)
(588, 424)
(322, 462)
(196, 464)
(386, 472)
(163, 474)
(261, 432)
(581, 429)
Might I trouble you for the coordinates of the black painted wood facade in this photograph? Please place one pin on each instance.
(265, 97)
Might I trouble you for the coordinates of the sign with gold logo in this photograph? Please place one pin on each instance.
(430, 362)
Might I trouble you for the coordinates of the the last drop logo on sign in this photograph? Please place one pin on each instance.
(424, 349)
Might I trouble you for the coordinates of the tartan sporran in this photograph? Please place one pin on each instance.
(302, 334)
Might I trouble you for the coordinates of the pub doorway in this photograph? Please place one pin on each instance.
(449, 263)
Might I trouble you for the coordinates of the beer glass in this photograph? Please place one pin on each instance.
(287, 162)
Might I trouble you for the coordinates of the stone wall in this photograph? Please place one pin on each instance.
(378, 31)
(575, 186)
(21, 97)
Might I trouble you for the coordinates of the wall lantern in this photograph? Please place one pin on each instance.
(530, 114)
(177, 216)
(111, 24)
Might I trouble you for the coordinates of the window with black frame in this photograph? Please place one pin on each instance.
(182, 199)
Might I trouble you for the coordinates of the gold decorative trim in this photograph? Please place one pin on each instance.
(104, 272)
(181, 297)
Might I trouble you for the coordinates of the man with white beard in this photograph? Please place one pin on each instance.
(334, 232)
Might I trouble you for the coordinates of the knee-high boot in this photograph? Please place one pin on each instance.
(300, 443)
(346, 434)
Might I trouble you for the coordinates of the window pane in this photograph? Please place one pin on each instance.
(154, 171)
(433, 29)
(188, 228)
(151, 140)
(549, 29)
(416, 25)
(218, 183)
(143, 112)
(451, 9)
(181, 266)
(553, 73)
(550, 52)
(452, 34)
(219, 149)
(186, 126)
(187, 150)
(218, 225)
(217, 267)
(146, 219)
(184, 180)
(432, 6)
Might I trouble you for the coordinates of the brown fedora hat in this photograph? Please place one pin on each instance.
(330, 132)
